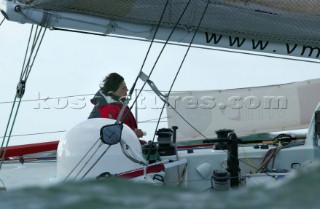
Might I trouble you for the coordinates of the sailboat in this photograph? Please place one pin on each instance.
(218, 119)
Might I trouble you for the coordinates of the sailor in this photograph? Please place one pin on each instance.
(108, 102)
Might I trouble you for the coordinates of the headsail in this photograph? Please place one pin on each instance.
(287, 27)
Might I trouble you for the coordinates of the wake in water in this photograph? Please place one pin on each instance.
(300, 191)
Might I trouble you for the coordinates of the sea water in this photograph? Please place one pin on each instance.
(299, 192)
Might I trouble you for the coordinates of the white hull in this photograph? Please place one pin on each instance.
(192, 168)
(199, 166)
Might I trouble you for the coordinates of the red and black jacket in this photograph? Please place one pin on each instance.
(113, 110)
(103, 109)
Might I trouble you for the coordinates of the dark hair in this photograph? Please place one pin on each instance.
(111, 83)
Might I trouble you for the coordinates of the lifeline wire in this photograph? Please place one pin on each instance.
(38, 133)
(49, 98)
(37, 38)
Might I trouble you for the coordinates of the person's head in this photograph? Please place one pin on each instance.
(114, 84)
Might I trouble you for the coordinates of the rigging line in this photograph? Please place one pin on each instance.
(122, 144)
(247, 158)
(149, 48)
(152, 120)
(208, 139)
(86, 163)
(26, 53)
(173, 83)
(179, 69)
(34, 57)
(82, 159)
(265, 162)
(36, 44)
(163, 47)
(2, 21)
(150, 90)
(29, 53)
(128, 98)
(187, 121)
(104, 152)
(27, 64)
(162, 121)
(19, 94)
(7, 127)
(122, 119)
(155, 132)
(181, 64)
(10, 132)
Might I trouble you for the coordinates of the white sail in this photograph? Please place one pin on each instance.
(247, 110)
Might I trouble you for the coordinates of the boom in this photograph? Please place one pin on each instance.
(274, 27)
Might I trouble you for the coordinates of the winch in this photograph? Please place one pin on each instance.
(165, 142)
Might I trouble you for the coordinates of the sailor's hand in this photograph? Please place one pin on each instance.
(138, 132)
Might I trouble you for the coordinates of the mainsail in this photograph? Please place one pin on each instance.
(286, 27)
